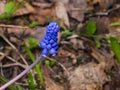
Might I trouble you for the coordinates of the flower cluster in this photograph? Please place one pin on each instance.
(49, 42)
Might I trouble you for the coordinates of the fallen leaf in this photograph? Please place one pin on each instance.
(103, 56)
(77, 43)
(51, 85)
(77, 9)
(88, 77)
(27, 9)
(61, 13)
(37, 33)
(43, 15)
(102, 4)
(64, 53)
(2, 5)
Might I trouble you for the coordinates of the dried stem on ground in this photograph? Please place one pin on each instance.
(14, 48)
(13, 26)
(107, 12)
(66, 71)
(10, 58)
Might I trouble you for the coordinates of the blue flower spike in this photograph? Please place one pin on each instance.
(49, 42)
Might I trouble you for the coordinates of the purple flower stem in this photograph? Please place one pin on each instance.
(21, 74)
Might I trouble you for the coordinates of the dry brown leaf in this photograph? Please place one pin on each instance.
(2, 5)
(88, 77)
(51, 85)
(61, 13)
(27, 9)
(42, 5)
(43, 14)
(103, 4)
(103, 56)
(37, 33)
(77, 9)
(77, 43)
(64, 53)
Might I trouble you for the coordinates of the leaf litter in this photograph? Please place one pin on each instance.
(88, 66)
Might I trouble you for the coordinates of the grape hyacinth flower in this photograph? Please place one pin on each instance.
(49, 42)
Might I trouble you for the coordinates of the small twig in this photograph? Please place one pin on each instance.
(113, 9)
(14, 48)
(14, 26)
(59, 64)
(51, 70)
(107, 12)
(13, 60)
(21, 74)
(42, 5)
(8, 57)
(1, 71)
(13, 64)
(21, 84)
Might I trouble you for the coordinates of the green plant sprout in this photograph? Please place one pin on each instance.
(31, 82)
(115, 24)
(66, 33)
(33, 24)
(10, 8)
(98, 44)
(37, 68)
(91, 28)
(115, 47)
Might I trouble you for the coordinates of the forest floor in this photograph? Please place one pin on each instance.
(88, 55)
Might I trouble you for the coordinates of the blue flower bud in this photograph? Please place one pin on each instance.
(45, 41)
(56, 47)
(52, 41)
(45, 52)
(49, 46)
(55, 39)
(42, 44)
(54, 44)
(53, 51)
(47, 37)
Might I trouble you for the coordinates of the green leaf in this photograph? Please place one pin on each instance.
(50, 63)
(19, 88)
(115, 47)
(33, 43)
(5, 15)
(91, 28)
(33, 24)
(66, 33)
(31, 82)
(10, 7)
(115, 24)
(98, 44)
(37, 68)
(29, 52)
(47, 62)
(9, 10)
